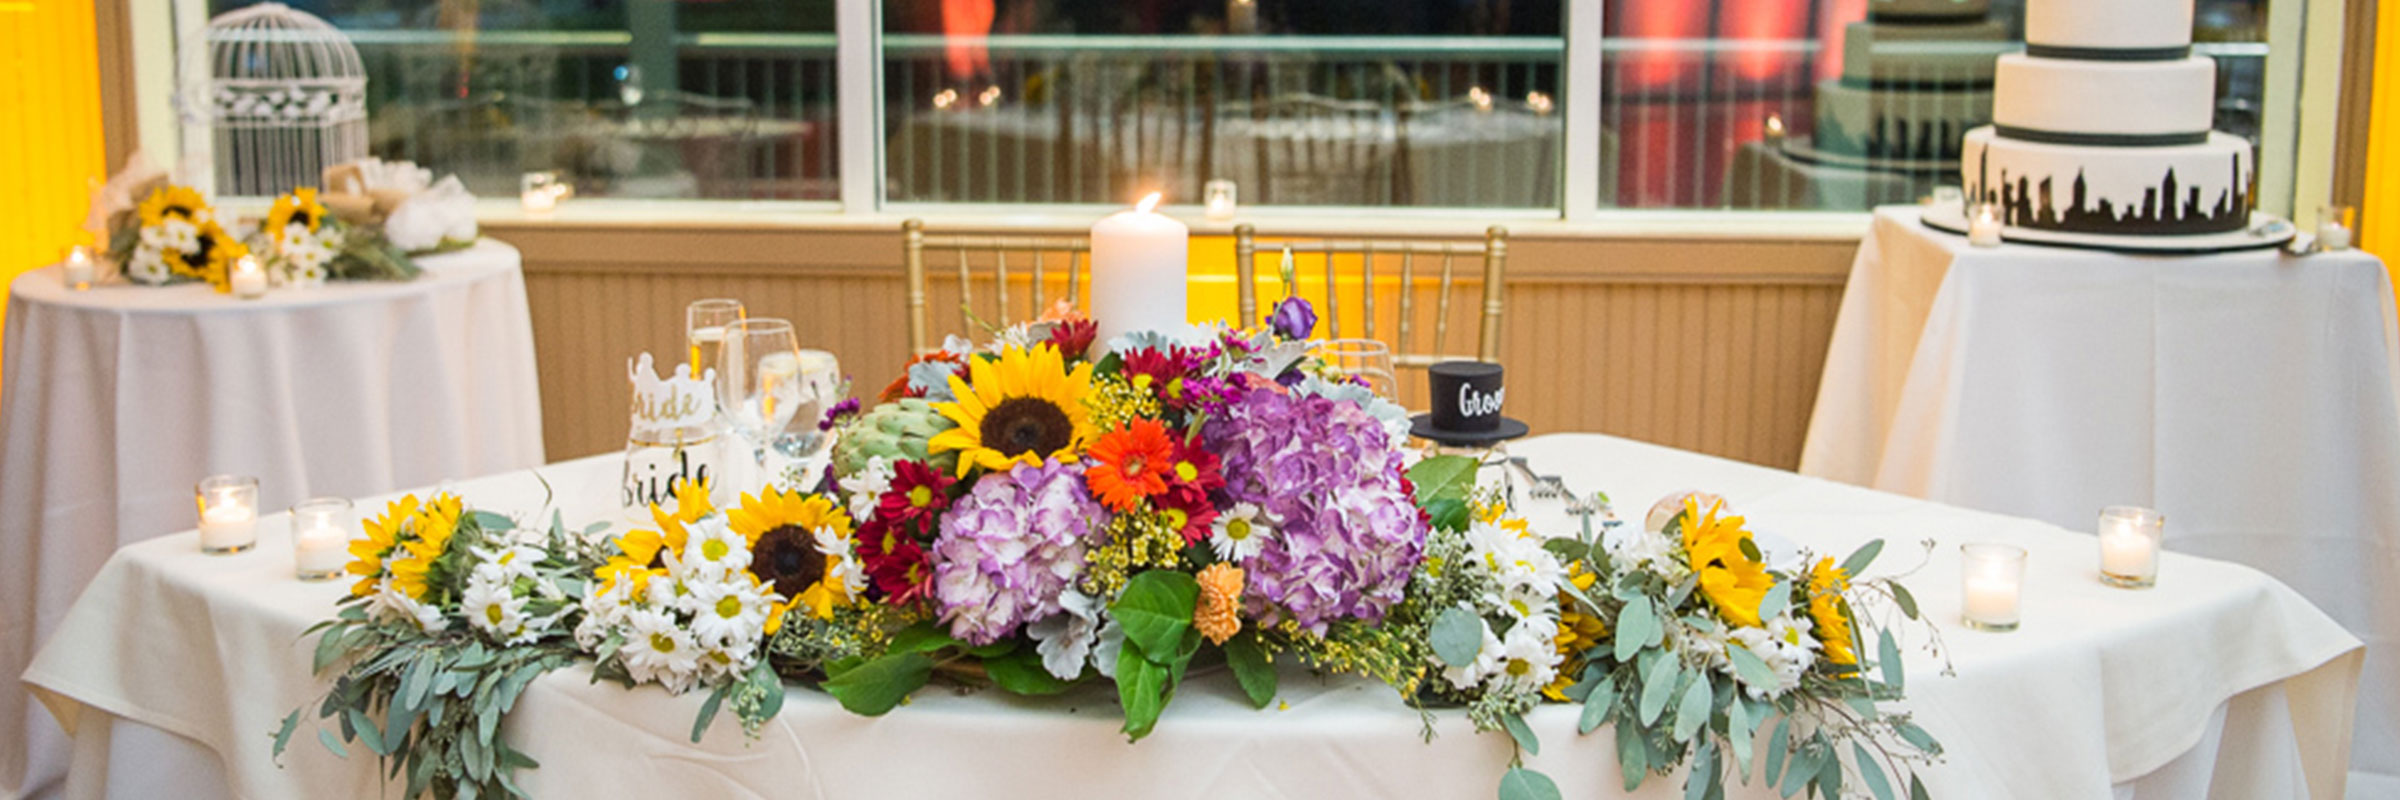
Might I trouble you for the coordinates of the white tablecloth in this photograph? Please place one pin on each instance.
(2218, 681)
(117, 400)
(2249, 396)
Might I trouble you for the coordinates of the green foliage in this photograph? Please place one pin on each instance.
(1251, 668)
(1524, 784)
(880, 684)
(1442, 478)
(1156, 612)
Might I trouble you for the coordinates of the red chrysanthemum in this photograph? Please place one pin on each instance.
(1196, 467)
(894, 561)
(918, 492)
(1130, 464)
(1162, 372)
(1074, 336)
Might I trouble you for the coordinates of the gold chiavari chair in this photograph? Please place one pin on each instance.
(1410, 347)
(975, 254)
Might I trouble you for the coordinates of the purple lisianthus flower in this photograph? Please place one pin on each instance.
(1294, 317)
(1010, 547)
(1347, 536)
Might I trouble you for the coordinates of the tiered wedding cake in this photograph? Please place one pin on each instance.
(1915, 76)
(2102, 128)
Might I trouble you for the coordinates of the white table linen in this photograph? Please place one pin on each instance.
(117, 400)
(2248, 396)
(2218, 681)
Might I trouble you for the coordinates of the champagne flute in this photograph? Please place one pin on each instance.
(1367, 360)
(759, 382)
(704, 324)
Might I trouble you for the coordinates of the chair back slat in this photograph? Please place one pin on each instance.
(972, 251)
(1408, 347)
(1366, 287)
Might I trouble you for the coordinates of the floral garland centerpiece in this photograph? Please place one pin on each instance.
(173, 236)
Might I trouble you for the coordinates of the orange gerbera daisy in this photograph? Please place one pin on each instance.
(1131, 464)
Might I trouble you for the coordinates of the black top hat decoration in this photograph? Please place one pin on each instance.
(1466, 406)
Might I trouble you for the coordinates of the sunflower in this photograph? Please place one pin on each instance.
(300, 207)
(182, 202)
(1578, 633)
(404, 543)
(787, 531)
(1826, 583)
(1131, 464)
(1020, 408)
(642, 554)
(213, 262)
(1715, 548)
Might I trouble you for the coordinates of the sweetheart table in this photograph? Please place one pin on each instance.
(173, 669)
(117, 400)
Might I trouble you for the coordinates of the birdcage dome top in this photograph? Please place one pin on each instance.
(272, 42)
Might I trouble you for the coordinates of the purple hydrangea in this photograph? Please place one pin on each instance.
(1010, 547)
(1347, 534)
(1294, 317)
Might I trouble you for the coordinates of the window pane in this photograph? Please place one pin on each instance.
(1436, 103)
(1693, 90)
(728, 99)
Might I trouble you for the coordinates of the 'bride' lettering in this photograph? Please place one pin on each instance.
(1471, 404)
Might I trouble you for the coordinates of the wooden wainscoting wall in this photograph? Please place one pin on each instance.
(1705, 344)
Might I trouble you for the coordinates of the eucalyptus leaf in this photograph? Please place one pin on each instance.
(1457, 636)
(1862, 557)
(1634, 626)
(1799, 771)
(1829, 775)
(368, 734)
(1906, 601)
(1916, 788)
(1693, 712)
(1520, 783)
(1739, 730)
(1633, 757)
(1870, 772)
(1917, 737)
(1753, 670)
(283, 733)
(1888, 650)
(1658, 691)
(708, 713)
(1596, 706)
(1705, 773)
(1778, 598)
(1779, 750)
(332, 743)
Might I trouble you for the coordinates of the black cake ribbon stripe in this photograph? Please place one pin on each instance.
(2108, 53)
(2101, 139)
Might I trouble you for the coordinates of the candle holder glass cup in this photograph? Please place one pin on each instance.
(1368, 360)
(228, 513)
(321, 538)
(1992, 581)
(2130, 540)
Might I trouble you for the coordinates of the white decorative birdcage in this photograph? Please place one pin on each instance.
(270, 96)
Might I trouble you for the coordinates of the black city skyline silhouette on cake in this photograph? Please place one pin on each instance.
(2159, 212)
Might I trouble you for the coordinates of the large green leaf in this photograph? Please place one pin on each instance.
(1155, 610)
(923, 637)
(1141, 688)
(1021, 672)
(1443, 477)
(1251, 668)
(1457, 636)
(877, 686)
(1520, 783)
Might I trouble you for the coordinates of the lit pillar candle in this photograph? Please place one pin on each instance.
(1992, 578)
(76, 271)
(228, 513)
(249, 279)
(2130, 538)
(1138, 271)
(320, 538)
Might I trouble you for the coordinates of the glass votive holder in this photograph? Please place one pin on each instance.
(1220, 199)
(539, 192)
(321, 537)
(77, 270)
(228, 513)
(2334, 226)
(1992, 581)
(2130, 538)
(1984, 225)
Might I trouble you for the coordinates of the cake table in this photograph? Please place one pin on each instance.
(2250, 396)
(117, 400)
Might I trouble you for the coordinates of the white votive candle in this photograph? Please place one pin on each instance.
(76, 271)
(2130, 538)
(320, 538)
(1983, 229)
(1138, 272)
(248, 278)
(2333, 236)
(228, 513)
(1992, 578)
(1220, 201)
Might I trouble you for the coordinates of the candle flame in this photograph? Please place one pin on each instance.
(1149, 201)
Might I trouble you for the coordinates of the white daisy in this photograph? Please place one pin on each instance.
(491, 607)
(1529, 659)
(730, 612)
(1240, 532)
(845, 571)
(603, 613)
(391, 603)
(866, 488)
(177, 234)
(656, 649)
(715, 548)
(148, 265)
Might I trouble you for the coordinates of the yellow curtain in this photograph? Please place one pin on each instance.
(2381, 211)
(50, 145)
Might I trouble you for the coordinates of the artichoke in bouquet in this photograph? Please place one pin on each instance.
(897, 431)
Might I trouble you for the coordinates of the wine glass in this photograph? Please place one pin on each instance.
(820, 388)
(704, 324)
(759, 382)
(1368, 360)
